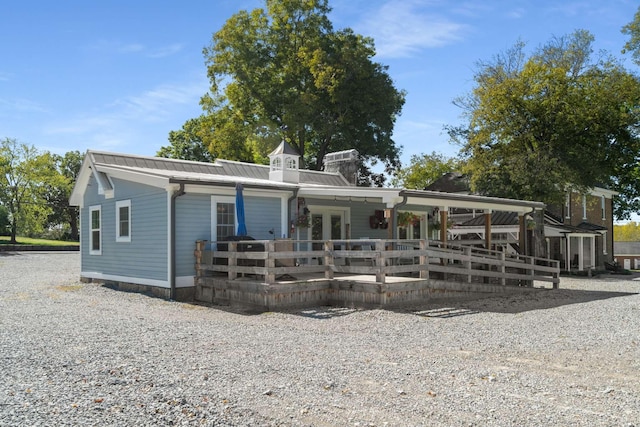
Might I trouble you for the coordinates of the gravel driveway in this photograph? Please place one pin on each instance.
(83, 354)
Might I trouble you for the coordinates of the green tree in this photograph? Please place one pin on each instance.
(4, 221)
(632, 29)
(187, 143)
(24, 172)
(58, 190)
(424, 169)
(555, 120)
(284, 72)
(629, 232)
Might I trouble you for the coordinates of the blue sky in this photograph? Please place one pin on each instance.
(119, 75)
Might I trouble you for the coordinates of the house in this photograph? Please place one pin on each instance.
(627, 254)
(579, 233)
(141, 216)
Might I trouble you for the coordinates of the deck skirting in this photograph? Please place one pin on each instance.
(340, 291)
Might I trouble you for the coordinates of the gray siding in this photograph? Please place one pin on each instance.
(146, 255)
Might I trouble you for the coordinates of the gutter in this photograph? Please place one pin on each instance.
(230, 184)
(172, 249)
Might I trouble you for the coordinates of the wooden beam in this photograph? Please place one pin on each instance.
(443, 226)
(487, 229)
(523, 235)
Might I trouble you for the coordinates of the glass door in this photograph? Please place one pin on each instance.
(327, 225)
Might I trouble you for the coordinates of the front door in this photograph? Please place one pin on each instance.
(327, 224)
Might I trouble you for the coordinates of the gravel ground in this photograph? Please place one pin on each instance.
(83, 354)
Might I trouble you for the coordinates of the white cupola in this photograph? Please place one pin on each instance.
(284, 164)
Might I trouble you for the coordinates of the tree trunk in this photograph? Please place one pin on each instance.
(14, 230)
(73, 224)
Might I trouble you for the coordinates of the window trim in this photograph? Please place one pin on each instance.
(603, 206)
(584, 206)
(567, 206)
(92, 209)
(214, 217)
(121, 204)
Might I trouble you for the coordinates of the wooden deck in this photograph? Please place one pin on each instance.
(280, 274)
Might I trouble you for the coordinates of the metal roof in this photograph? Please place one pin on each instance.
(284, 148)
(497, 218)
(201, 171)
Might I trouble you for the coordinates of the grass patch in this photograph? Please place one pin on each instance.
(4, 240)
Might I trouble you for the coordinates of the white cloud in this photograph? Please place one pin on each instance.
(403, 28)
(21, 105)
(117, 47)
(131, 123)
(165, 50)
(151, 106)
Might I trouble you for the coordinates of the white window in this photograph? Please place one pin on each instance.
(123, 221)
(95, 230)
(223, 218)
(567, 206)
(276, 164)
(603, 207)
(291, 163)
(584, 206)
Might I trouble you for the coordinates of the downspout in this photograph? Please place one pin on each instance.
(394, 215)
(172, 249)
(293, 196)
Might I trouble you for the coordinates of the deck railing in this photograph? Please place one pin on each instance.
(277, 260)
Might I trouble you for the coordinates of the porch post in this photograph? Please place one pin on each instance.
(593, 252)
(391, 221)
(567, 265)
(487, 229)
(523, 234)
(581, 254)
(444, 211)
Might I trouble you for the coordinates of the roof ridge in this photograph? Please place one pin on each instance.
(143, 157)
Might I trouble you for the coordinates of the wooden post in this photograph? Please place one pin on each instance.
(503, 268)
(556, 276)
(523, 234)
(232, 260)
(380, 262)
(467, 263)
(328, 259)
(532, 272)
(487, 229)
(270, 263)
(443, 226)
(200, 246)
(424, 260)
(391, 221)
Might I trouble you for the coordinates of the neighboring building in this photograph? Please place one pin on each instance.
(141, 216)
(579, 234)
(627, 254)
